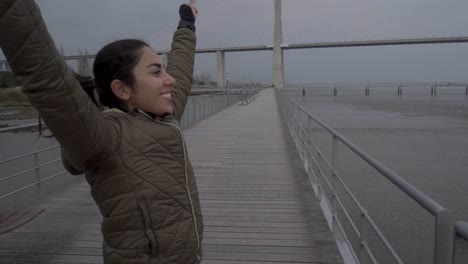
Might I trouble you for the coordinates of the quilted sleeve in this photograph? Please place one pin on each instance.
(180, 66)
(50, 85)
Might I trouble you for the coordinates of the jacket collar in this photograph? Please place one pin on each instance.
(148, 115)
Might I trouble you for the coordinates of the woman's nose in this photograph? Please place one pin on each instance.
(169, 80)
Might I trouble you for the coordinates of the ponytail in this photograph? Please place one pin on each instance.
(89, 86)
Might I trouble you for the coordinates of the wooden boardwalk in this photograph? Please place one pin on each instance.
(258, 205)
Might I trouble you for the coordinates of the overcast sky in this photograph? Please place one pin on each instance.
(90, 24)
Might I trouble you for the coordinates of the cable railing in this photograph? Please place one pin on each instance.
(197, 108)
(326, 181)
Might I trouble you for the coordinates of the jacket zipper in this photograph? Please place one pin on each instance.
(187, 186)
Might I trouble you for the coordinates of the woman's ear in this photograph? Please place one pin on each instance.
(121, 90)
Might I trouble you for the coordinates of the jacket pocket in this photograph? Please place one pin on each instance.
(152, 245)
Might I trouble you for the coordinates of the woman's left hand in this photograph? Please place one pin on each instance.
(193, 7)
(188, 12)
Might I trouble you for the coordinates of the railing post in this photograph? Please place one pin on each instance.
(296, 125)
(38, 172)
(308, 156)
(444, 237)
(204, 108)
(363, 238)
(299, 133)
(334, 152)
(194, 106)
(201, 109)
(199, 112)
(333, 178)
(213, 108)
(466, 91)
(335, 92)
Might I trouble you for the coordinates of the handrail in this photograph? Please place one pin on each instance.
(28, 170)
(14, 128)
(28, 154)
(353, 199)
(31, 185)
(444, 225)
(461, 229)
(424, 200)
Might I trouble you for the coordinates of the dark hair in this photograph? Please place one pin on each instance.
(88, 85)
(114, 61)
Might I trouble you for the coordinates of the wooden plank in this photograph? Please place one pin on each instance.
(14, 218)
(317, 257)
(218, 261)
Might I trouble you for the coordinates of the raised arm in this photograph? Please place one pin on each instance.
(182, 58)
(50, 85)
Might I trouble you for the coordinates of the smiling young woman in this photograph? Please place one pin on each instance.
(133, 154)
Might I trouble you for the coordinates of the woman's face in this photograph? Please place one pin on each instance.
(152, 90)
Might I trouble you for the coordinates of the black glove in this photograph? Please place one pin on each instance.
(186, 14)
(187, 19)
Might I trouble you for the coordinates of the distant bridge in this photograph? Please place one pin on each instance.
(339, 44)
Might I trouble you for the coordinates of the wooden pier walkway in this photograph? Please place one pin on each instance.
(258, 204)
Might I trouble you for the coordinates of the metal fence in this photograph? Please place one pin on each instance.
(36, 170)
(326, 181)
(203, 106)
(197, 108)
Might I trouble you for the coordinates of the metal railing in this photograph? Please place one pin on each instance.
(197, 108)
(17, 128)
(203, 106)
(461, 232)
(326, 180)
(36, 168)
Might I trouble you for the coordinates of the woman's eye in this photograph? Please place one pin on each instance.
(157, 72)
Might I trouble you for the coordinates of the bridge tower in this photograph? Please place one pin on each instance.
(83, 64)
(86, 62)
(221, 68)
(278, 63)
